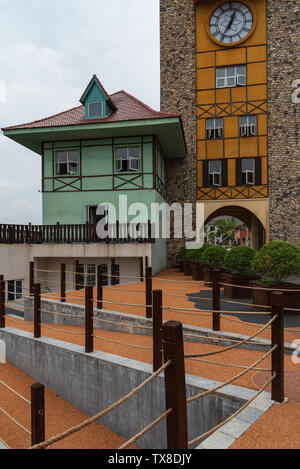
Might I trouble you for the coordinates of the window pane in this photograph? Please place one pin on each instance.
(231, 82)
(10, 290)
(91, 274)
(220, 83)
(104, 273)
(61, 156)
(134, 164)
(241, 70)
(248, 164)
(220, 72)
(62, 168)
(121, 152)
(73, 168)
(19, 289)
(230, 71)
(215, 166)
(134, 152)
(243, 121)
(73, 156)
(95, 109)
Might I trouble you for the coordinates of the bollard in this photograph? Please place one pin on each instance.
(157, 330)
(177, 435)
(149, 292)
(31, 278)
(37, 311)
(77, 275)
(216, 277)
(142, 268)
(89, 323)
(37, 414)
(277, 300)
(113, 273)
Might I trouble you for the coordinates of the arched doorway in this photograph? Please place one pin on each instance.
(246, 216)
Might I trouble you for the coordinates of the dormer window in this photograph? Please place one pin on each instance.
(95, 109)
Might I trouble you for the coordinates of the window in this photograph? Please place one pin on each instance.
(128, 159)
(88, 275)
(248, 171)
(248, 126)
(117, 274)
(215, 173)
(67, 162)
(214, 128)
(96, 109)
(228, 77)
(14, 290)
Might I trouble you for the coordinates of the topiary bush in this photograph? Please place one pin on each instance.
(182, 253)
(195, 255)
(277, 260)
(213, 257)
(239, 260)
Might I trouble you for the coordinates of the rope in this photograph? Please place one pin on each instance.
(122, 343)
(18, 320)
(62, 314)
(101, 414)
(15, 421)
(122, 323)
(146, 430)
(228, 365)
(158, 279)
(240, 321)
(245, 304)
(15, 392)
(231, 380)
(125, 304)
(292, 309)
(218, 311)
(119, 289)
(61, 330)
(207, 434)
(226, 349)
(216, 339)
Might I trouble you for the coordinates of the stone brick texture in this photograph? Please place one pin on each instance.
(284, 119)
(178, 94)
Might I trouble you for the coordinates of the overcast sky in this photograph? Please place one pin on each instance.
(48, 52)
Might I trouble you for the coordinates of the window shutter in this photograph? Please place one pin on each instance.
(224, 172)
(239, 176)
(205, 173)
(258, 176)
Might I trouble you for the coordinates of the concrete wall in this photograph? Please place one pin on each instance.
(93, 382)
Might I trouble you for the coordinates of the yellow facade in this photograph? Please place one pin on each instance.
(231, 103)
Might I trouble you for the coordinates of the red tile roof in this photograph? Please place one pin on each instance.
(128, 108)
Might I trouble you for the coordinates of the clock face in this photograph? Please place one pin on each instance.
(231, 22)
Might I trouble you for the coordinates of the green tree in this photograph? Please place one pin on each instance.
(226, 227)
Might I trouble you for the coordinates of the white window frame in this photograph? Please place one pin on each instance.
(239, 79)
(128, 158)
(68, 162)
(106, 279)
(247, 172)
(215, 175)
(102, 109)
(216, 131)
(247, 129)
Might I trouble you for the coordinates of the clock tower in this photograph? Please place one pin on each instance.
(220, 68)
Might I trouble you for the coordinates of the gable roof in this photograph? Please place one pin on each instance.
(95, 79)
(126, 108)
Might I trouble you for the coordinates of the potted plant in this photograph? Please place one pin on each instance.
(238, 261)
(276, 261)
(212, 258)
(189, 260)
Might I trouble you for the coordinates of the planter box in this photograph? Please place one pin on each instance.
(207, 276)
(197, 271)
(263, 297)
(181, 266)
(236, 290)
(187, 268)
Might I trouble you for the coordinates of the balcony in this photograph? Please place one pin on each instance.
(39, 234)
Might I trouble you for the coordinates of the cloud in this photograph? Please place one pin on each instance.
(5, 184)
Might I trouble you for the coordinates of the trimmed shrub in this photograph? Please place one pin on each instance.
(277, 260)
(182, 253)
(214, 256)
(239, 260)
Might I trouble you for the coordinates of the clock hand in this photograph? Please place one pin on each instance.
(231, 21)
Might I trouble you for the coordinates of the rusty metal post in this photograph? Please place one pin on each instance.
(89, 323)
(31, 278)
(177, 434)
(63, 283)
(37, 414)
(99, 287)
(157, 330)
(277, 301)
(2, 302)
(37, 311)
(216, 291)
(149, 292)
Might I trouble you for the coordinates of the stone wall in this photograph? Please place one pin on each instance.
(178, 94)
(284, 119)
